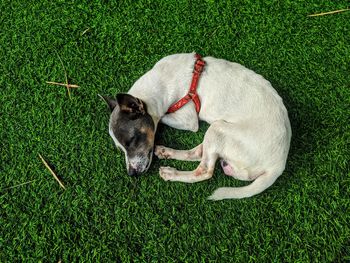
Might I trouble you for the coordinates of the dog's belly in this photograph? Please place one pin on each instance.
(228, 170)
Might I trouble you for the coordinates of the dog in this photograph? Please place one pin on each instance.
(249, 128)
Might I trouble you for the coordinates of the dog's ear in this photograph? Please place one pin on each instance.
(130, 104)
(112, 103)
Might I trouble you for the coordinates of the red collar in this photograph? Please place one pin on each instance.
(192, 93)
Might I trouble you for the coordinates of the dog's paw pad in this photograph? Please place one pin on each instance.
(162, 152)
(167, 173)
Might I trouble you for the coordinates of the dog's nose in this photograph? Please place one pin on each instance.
(132, 171)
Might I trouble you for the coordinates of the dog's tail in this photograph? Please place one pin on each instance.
(260, 184)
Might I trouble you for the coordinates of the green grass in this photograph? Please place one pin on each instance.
(104, 215)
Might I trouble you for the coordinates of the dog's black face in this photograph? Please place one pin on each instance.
(133, 131)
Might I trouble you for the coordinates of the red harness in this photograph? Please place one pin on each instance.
(192, 93)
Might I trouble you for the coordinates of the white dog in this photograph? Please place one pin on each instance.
(249, 127)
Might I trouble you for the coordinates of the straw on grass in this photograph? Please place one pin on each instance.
(52, 172)
(65, 73)
(330, 12)
(66, 84)
(62, 84)
(85, 31)
(18, 185)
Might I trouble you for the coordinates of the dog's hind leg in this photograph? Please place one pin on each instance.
(194, 154)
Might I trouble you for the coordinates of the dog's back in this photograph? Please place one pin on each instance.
(230, 92)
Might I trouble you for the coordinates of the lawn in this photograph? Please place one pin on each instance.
(106, 216)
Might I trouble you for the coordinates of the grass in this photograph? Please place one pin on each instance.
(104, 215)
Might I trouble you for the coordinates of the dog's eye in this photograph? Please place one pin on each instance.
(129, 142)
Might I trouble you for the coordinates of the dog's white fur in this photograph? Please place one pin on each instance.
(249, 128)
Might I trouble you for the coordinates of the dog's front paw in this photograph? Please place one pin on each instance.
(162, 152)
(167, 173)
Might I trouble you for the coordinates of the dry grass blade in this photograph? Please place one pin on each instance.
(330, 13)
(62, 84)
(85, 31)
(66, 84)
(17, 185)
(52, 172)
(65, 74)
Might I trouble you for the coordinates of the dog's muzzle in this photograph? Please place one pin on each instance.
(139, 164)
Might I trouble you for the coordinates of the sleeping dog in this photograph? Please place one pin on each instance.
(249, 128)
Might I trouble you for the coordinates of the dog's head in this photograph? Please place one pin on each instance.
(133, 131)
